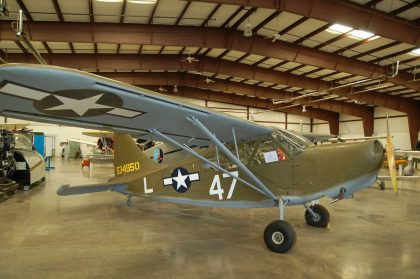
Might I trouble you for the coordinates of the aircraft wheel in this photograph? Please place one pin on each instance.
(382, 185)
(129, 202)
(279, 236)
(323, 216)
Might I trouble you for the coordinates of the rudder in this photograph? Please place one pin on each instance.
(129, 159)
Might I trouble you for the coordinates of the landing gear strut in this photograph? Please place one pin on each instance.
(317, 216)
(279, 235)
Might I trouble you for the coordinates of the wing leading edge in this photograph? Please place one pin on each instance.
(70, 97)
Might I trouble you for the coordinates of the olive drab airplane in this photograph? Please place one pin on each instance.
(230, 162)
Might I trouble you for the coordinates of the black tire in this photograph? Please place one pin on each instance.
(279, 236)
(382, 185)
(323, 216)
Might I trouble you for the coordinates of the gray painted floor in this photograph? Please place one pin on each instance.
(374, 235)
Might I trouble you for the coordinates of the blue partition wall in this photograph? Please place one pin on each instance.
(39, 143)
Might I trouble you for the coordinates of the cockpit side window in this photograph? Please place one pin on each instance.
(291, 143)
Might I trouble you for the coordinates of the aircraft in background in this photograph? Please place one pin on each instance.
(28, 166)
(104, 144)
(232, 162)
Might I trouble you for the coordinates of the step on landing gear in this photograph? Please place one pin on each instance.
(279, 235)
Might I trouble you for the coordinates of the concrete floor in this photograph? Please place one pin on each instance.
(374, 235)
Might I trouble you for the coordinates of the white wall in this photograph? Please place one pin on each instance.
(321, 127)
(398, 127)
(350, 126)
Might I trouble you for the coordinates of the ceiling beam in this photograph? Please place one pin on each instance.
(22, 48)
(229, 98)
(349, 47)
(395, 54)
(25, 10)
(344, 12)
(211, 14)
(313, 33)
(196, 81)
(202, 94)
(47, 47)
(234, 14)
(58, 10)
(265, 21)
(405, 8)
(372, 3)
(293, 25)
(192, 36)
(172, 62)
(91, 15)
(187, 5)
(243, 18)
(124, 5)
(376, 49)
(152, 15)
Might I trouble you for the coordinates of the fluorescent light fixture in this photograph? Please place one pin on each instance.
(360, 34)
(142, 1)
(415, 52)
(338, 28)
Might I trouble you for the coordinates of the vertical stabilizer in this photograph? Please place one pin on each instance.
(129, 159)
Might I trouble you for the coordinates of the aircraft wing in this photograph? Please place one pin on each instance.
(343, 139)
(407, 153)
(314, 137)
(13, 126)
(70, 97)
(98, 134)
(399, 178)
(84, 141)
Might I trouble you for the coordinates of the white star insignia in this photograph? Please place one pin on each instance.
(79, 106)
(180, 179)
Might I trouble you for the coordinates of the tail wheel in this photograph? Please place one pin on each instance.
(322, 219)
(279, 236)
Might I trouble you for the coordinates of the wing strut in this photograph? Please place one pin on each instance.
(231, 157)
(158, 134)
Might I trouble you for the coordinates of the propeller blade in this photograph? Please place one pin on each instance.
(389, 147)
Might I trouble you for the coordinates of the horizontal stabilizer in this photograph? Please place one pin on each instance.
(66, 190)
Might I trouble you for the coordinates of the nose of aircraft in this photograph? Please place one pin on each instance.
(369, 156)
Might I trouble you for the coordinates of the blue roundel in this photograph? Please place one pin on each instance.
(181, 180)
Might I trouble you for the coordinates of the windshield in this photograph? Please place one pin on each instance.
(22, 142)
(291, 142)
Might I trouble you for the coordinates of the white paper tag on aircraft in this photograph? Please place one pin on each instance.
(270, 157)
(21, 165)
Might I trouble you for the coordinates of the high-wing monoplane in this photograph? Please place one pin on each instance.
(231, 162)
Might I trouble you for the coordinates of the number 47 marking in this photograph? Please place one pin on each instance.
(216, 187)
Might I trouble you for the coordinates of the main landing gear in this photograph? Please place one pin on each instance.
(279, 235)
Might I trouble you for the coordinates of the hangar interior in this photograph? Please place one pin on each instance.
(337, 67)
